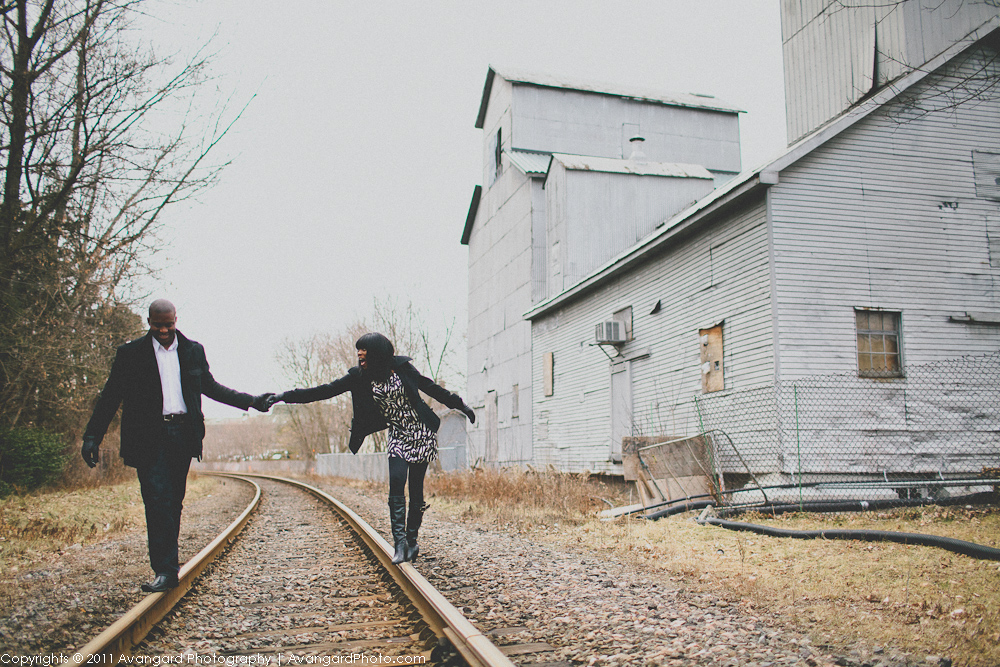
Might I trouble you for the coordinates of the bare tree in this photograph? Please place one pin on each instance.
(317, 428)
(410, 331)
(323, 357)
(100, 135)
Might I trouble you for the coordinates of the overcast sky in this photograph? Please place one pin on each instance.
(353, 167)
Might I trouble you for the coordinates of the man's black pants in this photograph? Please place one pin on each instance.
(163, 482)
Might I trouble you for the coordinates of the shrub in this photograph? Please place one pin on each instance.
(29, 458)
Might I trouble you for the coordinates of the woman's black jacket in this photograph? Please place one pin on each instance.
(367, 417)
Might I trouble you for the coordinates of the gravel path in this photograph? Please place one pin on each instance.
(295, 584)
(596, 610)
(590, 608)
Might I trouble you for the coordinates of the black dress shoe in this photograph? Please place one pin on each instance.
(160, 583)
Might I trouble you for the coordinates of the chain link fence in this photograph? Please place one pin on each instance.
(934, 433)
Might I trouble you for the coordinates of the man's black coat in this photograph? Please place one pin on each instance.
(134, 383)
(367, 417)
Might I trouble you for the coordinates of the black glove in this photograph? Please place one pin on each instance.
(262, 402)
(274, 398)
(467, 411)
(90, 450)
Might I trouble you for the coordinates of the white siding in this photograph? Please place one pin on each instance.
(553, 120)
(499, 340)
(608, 213)
(834, 52)
(719, 275)
(886, 216)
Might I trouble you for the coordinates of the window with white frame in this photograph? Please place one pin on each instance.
(878, 343)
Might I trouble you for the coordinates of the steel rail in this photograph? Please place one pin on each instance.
(119, 638)
(444, 620)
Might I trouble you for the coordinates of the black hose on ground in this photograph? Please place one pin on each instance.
(859, 505)
(824, 505)
(958, 546)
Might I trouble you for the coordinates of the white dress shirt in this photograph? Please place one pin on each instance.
(170, 378)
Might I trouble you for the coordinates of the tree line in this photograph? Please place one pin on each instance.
(101, 134)
(96, 145)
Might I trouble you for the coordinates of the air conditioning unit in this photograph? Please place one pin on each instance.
(610, 332)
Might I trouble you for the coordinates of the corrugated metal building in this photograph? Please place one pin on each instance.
(566, 189)
(869, 248)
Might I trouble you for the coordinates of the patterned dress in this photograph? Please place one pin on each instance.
(409, 438)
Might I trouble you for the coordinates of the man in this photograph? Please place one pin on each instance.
(159, 379)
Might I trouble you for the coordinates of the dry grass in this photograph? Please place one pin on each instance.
(524, 500)
(39, 524)
(919, 599)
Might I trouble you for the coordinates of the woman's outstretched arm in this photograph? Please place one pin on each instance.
(317, 393)
(442, 395)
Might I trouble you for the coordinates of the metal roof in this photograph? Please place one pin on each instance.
(529, 163)
(691, 100)
(618, 166)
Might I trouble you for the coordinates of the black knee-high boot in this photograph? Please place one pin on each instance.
(397, 519)
(413, 522)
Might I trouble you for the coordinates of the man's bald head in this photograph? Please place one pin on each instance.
(161, 307)
(162, 321)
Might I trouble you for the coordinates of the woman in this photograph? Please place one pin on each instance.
(384, 394)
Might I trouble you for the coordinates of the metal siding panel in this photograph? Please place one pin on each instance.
(608, 213)
(574, 427)
(499, 285)
(539, 242)
(886, 215)
(561, 121)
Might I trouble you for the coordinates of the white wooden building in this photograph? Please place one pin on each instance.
(566, 189)
(871, 247)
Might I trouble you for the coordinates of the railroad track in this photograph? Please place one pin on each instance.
(301, 584)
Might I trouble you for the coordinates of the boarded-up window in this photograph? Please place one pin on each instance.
(712, 375)
(492, 428)
(514, 408)
(547, 378)
(878, 344)
(993, 239)
(986, 167)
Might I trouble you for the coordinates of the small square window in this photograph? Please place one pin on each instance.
(878, 344)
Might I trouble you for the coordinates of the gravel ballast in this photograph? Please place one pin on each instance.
(591, 609)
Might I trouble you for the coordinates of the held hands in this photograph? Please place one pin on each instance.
(468, 412)
(262, 402)
(274, 398)
(90, 450)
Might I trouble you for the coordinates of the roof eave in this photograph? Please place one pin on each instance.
(485, 101)
(470, 219)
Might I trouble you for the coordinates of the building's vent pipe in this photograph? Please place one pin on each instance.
(637, 154)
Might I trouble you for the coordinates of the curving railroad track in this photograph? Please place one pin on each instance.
(298, 578)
